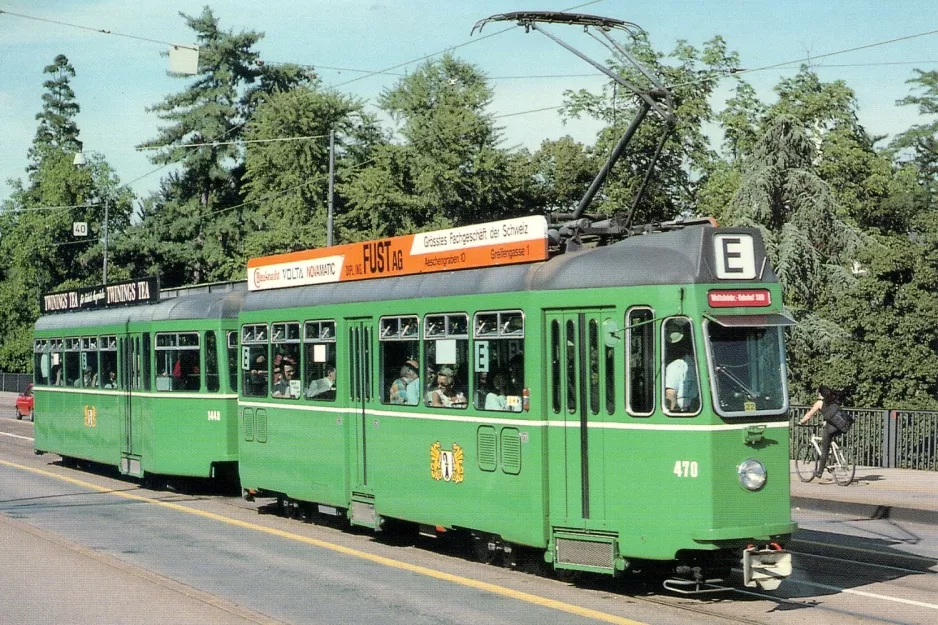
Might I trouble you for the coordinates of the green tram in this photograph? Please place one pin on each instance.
(557, 431)
(151, 389)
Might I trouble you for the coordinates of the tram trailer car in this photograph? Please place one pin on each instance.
(145, 388)
(566, 441)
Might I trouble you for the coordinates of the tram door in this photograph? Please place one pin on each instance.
(361, 398)
(581, 382)
(131, 371)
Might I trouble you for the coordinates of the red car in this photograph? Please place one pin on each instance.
(24, 403)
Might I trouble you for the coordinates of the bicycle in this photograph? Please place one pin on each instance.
(839, 462)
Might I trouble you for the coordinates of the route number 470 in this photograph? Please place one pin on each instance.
(685, 468)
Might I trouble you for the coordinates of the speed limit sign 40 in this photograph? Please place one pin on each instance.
(80, 228)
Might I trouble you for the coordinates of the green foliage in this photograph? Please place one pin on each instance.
(57, 128)
(451, 141)
(288, 182)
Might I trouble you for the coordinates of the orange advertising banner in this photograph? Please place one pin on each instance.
(512, 241)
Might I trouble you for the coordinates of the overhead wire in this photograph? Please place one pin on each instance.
(101, 31)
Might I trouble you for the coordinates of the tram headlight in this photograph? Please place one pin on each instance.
(752, 474)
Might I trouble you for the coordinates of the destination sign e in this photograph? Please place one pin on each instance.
(141, 291)
(521, 240)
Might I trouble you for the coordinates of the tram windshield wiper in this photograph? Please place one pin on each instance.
(735, 380)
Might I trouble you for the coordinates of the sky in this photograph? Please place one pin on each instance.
(119, 77)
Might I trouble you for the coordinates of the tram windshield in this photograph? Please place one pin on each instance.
(747, 369)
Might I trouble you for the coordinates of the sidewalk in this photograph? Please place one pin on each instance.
(876, 493)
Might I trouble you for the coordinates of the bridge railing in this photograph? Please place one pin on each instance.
(14, 382)
(892, 439)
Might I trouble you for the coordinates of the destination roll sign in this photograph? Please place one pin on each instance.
(140, 291)
(521, 240)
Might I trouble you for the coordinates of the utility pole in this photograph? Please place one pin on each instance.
(329, 219)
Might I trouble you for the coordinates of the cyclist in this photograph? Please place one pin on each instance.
(828, 404)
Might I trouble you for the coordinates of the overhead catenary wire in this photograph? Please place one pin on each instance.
(102, 31)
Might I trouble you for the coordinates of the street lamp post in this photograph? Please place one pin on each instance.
(80, 161)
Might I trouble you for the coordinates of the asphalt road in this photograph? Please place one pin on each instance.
(91, 547)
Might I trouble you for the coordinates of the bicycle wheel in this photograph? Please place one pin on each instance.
(806, 462)
(844, 468)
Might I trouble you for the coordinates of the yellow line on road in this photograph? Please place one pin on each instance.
(413, 568)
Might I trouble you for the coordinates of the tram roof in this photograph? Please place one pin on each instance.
(211, 305)
(684, 256)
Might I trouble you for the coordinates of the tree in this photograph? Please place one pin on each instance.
(57, 128)
(919, 144)
(206, 120)
(287, 181)
(38, 253)
(451, 141)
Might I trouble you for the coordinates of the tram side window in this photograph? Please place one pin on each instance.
(56, 362)
(89, 362)
(177, 361)
(211, 362)
(233, 361)
(108, 345)
(446, 351)
(42, 362)
(255, 354)
(286, 381)
(319, 354)
(498, 360)
(640, 362)
(555, 365)
(145, 362)
(400, 375)
(681, 387)
(72, 362)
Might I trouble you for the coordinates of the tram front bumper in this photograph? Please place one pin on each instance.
(765, 568)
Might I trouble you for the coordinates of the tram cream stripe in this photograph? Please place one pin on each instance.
(452, 418)
(148, 394)
(355, 553)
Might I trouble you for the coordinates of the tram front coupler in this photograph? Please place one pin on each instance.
(765, 567)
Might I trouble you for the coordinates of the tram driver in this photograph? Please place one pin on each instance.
(680, 377)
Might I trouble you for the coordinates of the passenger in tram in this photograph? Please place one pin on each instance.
(446, 393)
(186, 372)
(56, 376)
(257, 377)
(323, 388)
(497, 399)
(111, 381)
(284, 387)
(405, 390)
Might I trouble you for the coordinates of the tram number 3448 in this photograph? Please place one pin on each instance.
(685, 468)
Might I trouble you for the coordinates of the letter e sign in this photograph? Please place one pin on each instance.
(735, 256)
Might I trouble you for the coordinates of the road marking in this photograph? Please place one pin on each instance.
(25, 438)
(870, 595)
(404, 566)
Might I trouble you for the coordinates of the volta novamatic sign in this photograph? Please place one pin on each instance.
(521, 240)
(141, 291)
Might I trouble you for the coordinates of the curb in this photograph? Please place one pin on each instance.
(867, 510)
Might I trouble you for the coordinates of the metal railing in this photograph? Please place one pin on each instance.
(891, 439)
(14, 382)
